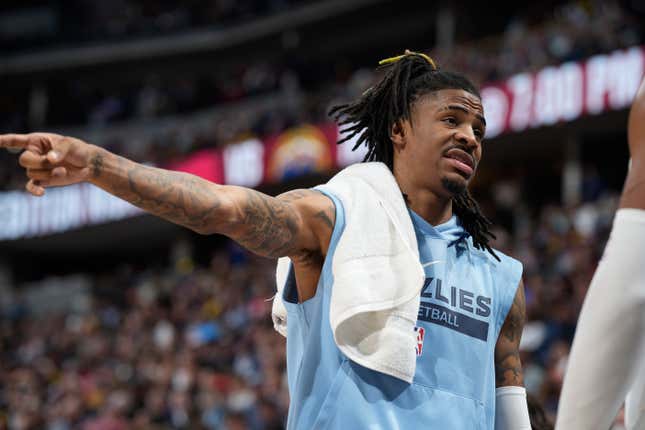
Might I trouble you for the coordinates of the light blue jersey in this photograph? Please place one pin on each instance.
(464, 302)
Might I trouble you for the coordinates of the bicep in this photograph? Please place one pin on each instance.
(293, 223)
(508, 367)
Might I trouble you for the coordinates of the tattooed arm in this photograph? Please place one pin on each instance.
(508, 367)
(293, 224)
(511, 407)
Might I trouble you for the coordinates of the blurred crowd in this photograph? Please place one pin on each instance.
(193, 347)
(132, 18)
(181, 348)
(575, 31)
(73, 22)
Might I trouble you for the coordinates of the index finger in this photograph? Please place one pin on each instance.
(15, 141)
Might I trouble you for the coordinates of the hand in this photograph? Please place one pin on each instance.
(50, 159)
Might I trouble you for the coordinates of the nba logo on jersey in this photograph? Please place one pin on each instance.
(421, 332)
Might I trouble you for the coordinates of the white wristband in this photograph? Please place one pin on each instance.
(511, 409)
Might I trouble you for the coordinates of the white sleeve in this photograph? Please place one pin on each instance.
(511, 409)
(609, 340)
(635, 402)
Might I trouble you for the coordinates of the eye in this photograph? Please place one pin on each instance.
(450, 120)
(479, 133)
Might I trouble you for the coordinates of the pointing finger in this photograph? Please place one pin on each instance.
(15, 141)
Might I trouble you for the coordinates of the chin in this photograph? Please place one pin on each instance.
(454, 186)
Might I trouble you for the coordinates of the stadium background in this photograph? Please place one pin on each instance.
(111, 319)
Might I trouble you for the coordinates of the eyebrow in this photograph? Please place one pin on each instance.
(463, 109)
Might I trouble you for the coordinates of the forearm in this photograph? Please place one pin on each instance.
(180, 198)
(511, 409)
(508, 366)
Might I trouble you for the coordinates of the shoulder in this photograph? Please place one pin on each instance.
(316, 211)
(361, 182)
(306, 198)
(314, 206)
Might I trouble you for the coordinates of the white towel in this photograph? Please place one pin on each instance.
(278, 310)
(377, 273)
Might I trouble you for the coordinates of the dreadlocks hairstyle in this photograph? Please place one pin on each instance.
(371, 117)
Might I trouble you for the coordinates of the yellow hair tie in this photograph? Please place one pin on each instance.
(408, 52)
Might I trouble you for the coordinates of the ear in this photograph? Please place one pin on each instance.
(397, 135)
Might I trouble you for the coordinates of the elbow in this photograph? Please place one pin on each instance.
(224, 218)
(210, 227)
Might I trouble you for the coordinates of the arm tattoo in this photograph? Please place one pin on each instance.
(292, 196)
(266, 225)
(270, 225)
(181, 198)
(508, 366)
(97, 165)
(325, 219)
(516, 317)
(508, 370)
(177, 197)
(514, 324)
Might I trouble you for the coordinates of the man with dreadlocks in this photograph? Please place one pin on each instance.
(400, 314)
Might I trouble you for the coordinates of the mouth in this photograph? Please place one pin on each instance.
(462, 161)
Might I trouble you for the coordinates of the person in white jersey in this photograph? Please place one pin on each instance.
(607, 362)
(424, 129)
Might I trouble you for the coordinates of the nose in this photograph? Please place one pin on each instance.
(466, 136)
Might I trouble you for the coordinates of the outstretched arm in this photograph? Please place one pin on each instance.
(269, 226)
(288, 225)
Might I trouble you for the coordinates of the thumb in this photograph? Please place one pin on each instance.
(59, 150)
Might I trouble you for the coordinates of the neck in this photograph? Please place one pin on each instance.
(430, 207)
(433, 208)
